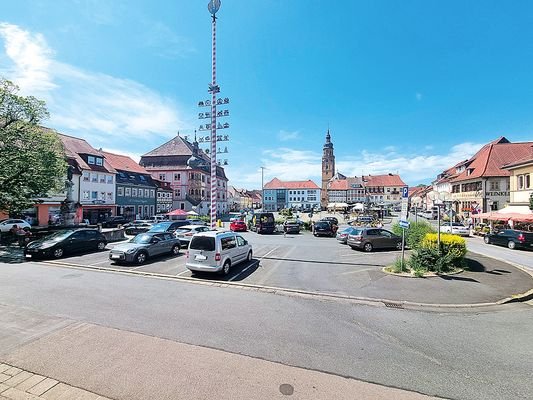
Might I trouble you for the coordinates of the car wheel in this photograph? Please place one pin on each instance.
(511, 245)
(399, 246)
(486, 239)
(101, 246)
(225, 268)
(175, 249)
(141, 257)
(58, 252)
(249, 257)
(368, 247)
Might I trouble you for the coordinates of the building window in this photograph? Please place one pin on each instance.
(203, 178)
(94, 195)
(495, 185)
(162, 177)
(177, 177)
(94, 177)
(90, 160)
(146, 192)
(99, 161)
(528, 181)
(134, 192)
(120, 191)
(110, 196)
(520, 182)
(86, 176)
(85, 195)
(152, 193)
(110, 179)
(102, 178)
(102, 196)
(182, 206)
(127, 191)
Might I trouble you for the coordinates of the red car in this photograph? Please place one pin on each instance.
(238, 226)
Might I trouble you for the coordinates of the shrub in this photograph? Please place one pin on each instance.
(415, 233)
(286, 212)
(307, 226)
(450, 256)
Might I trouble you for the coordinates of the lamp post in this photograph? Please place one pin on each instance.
(262, 188)
(441, 198)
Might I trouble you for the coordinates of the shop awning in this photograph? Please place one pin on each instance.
(177, 212)
(502, 216)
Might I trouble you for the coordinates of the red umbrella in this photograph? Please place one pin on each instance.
(177, 212)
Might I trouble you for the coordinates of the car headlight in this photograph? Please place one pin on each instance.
(130, 251)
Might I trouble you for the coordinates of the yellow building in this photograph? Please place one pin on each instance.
(521, 184)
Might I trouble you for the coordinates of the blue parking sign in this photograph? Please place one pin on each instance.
(405, 191)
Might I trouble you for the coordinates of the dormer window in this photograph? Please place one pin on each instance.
(91, 160)
(99, 161)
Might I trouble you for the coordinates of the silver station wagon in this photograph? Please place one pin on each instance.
(144, 246)
(217, 251)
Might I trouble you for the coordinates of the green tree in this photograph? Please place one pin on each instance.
(32, 160)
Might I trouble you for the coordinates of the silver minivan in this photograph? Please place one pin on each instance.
(216, 251)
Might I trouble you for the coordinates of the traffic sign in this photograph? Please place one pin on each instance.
(405, 192)
(404, 224)
(403, 213)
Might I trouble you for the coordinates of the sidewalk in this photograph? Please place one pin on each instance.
(17, 384)
(132, 366)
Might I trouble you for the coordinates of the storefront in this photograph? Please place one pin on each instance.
(97, 213)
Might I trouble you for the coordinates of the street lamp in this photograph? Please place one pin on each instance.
(416, 201)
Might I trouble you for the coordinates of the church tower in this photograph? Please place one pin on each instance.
(328, 169)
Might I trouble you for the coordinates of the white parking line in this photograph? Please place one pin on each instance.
(252, 265)
(101, 262)
(182, 272)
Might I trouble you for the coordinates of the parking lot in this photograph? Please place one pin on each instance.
(296, 261)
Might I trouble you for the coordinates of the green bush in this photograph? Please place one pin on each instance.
(415, 233)
(307, 225)
(286, 212)
(427, 257)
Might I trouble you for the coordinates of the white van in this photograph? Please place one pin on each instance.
(216, 251)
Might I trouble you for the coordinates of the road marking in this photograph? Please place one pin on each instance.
(357, 270)
(253, 264)
(101, 262)
(182, 272)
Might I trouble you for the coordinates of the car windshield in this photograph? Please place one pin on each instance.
(160, 227)
(322, 225)
(183, 230)
(141, 239)
(206, 243)
(59, 235)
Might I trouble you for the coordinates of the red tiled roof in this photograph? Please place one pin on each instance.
(75, 146)
(123, 163)
(277, 184)
(522, 161)
(176, 146)
(338, 184)
(491, 158)
(384, 180)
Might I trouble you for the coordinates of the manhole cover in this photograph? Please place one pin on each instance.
(286, 389)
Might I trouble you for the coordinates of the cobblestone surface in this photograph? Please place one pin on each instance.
(17, 384)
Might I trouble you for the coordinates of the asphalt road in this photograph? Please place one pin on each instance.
(460, 355)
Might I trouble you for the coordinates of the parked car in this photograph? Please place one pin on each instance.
(138, 226)
(238, 226)
(324, 228)
(331, 219)
(263, 222)
(7, 224)
(167, 226)
(144, 246)
(369, 239)
(215, 251)
(511, 238)
(113, 222)
(291, 226)
(342, 236)
(64, 242)
(185, 233)
(456, 229)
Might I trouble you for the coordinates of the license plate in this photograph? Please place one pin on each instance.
(200, 257)
(115, 256)
(28, 255)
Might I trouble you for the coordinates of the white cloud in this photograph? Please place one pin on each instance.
(285, 135)
(291, 164)
(134, 156)
(101, 108)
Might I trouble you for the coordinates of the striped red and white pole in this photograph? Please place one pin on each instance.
(214, 134)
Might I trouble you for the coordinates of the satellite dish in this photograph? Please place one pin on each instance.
(213, 6)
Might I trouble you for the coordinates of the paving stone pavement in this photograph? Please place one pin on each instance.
(17, 384)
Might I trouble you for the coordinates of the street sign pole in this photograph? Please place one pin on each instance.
(403, 250)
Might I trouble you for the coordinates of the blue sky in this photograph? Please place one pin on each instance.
(410, 87)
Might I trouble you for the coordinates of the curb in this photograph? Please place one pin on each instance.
(380, 302)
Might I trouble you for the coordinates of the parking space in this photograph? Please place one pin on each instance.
(299, 261)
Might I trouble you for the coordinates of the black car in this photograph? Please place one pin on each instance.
(291, 226)
(137, 227)
(64, 242)
(113, 222)
(333, 220)
(168, 226)
(324, 228)
(511, 238)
